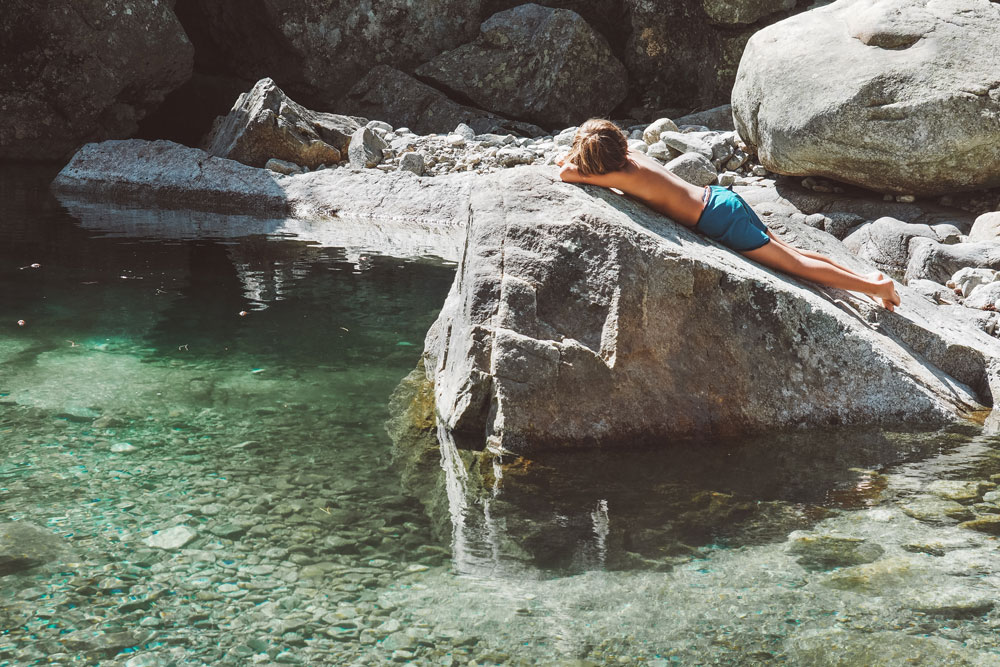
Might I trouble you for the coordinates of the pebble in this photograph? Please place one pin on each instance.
(123, 448)
(171, 538)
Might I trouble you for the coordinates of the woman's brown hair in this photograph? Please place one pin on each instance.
(599, 147)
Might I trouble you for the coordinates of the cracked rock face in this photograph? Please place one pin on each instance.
(899, 96)
(265, 123)
(578, 316)
(69, 71)
(537, 64)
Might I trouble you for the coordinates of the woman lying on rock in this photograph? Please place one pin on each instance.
(600, 156)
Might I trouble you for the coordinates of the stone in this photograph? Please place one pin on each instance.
(847, 103)
(986, 227)
(123, 448)
(886, 243)
(510, 157)
(465, 132)
(717, 118)
(411, 213)
(936, 510)
(412, 162)
(389, 93)
(75, 71)
(960, 491)
(953, 603)
(661, 151)
(323, 48)
(535, 63)
(885, 576)
(967, 279)
(652, 133)
(989, 524)
(932, 291)
(939, 262)
(984, 297)
(24, 546)
(687, 143)
(166, 173)
(731, 12)
(380, 127)
(265, 123)
(825, 552)
(694, 168)
(834, 647)
(283, 167)
(366, 149)
(947, 233)
(171, 538)
(573, 334)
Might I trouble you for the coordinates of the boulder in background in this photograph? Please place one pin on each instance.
(264, 123)
(537, 64)
(81, 70)
(898, 96)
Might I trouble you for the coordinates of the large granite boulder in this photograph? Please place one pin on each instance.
(685, 53)
(83, 70)
(579, 316)
(317, 50)
(899, 96)
(264, 123)
(388, 94)
(534, 63)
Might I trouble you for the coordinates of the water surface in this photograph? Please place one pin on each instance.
(227, 380)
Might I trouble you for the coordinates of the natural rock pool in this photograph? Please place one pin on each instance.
(195, 469)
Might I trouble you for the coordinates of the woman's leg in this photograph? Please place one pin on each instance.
(821, 270)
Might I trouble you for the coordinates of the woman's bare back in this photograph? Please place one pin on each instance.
(649, 182)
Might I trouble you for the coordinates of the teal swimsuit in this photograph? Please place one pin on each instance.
(729, 220)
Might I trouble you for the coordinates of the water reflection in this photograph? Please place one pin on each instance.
(573, 511)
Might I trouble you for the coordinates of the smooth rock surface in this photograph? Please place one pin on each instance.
(265, 123)
(938, 262)
(536, 64)
(71, 71)
(886, 242)
(986, 227)
(163, 172)
(572, 315)
(899, 96)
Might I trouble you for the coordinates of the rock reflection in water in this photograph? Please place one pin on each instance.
(566, 512)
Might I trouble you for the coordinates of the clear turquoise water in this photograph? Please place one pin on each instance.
(171, 372)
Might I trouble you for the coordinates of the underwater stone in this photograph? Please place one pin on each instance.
(174, 537)
(825, 552)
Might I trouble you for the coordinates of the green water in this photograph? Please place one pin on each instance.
(218, 379)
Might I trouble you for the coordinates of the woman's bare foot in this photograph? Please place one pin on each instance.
(886, 290)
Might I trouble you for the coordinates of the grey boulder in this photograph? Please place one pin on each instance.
(900, 96)
(886, 242)
(694, 168)
(986, 227)
(366, 149)
(542, 65)
(73, 71)
(24, 546)
(265, 123)
(578, 316)
(386, 92)
(938, 262)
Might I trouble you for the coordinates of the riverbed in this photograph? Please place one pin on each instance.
(193, 419)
